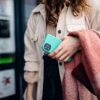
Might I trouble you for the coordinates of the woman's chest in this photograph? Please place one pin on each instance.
(64, 26)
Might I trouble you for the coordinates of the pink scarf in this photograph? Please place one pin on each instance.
(82, 75)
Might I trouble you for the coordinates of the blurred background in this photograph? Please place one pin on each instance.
(13, 18)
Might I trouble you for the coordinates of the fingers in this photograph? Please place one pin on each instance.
(59, 54)
(56, 51)
(64, 57)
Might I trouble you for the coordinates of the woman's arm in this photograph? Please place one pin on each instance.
(29, 92)
(31, 60)
(31, 78)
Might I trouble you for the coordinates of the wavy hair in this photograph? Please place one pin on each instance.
(54, 7)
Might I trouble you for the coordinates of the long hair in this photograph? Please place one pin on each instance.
(54, 7)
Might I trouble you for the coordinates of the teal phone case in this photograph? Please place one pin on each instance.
(50, 43)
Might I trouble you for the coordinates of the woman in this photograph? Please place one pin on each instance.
(57, 17)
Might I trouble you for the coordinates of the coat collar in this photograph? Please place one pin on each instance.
(73, 23)
(40, 9)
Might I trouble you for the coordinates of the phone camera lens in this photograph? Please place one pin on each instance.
(47, 46)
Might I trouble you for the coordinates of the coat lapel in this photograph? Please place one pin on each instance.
(40, 9)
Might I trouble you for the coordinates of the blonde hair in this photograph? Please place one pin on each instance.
(54, 7)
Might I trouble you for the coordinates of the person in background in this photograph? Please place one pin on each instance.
(59, 18)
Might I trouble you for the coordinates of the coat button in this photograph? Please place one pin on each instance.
(59, 31)
(60, 63)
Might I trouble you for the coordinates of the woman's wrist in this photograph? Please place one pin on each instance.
(78, 42)
(30, 90)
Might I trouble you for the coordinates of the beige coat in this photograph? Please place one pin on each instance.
(34, 36)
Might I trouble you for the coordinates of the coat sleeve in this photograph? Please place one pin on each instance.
(31, 58)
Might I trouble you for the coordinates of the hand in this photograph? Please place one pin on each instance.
(29, 92)
(66, 49)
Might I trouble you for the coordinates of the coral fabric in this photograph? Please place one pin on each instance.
(82, 75)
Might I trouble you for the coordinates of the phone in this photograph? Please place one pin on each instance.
(50, 43)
